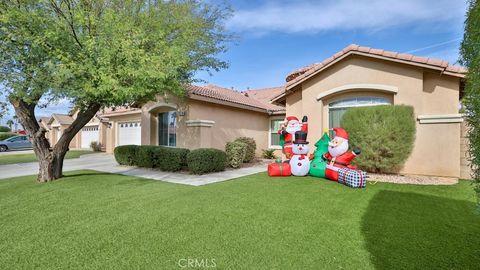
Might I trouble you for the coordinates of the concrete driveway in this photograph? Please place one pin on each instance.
(106, 163)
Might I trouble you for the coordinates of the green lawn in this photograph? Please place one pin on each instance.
(92, 220)
(23, 158)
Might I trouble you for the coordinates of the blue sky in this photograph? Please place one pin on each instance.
(276, 37)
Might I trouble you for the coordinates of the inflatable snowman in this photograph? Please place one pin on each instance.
(299, 162)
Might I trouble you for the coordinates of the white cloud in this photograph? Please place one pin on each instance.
(314, 16)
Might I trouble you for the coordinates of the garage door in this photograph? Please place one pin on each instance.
(89, 135)
(129, 133)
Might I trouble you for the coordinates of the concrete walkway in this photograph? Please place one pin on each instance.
(106, 163)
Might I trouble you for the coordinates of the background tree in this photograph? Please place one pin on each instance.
(470, 57)
(10, 123)
(98, 54)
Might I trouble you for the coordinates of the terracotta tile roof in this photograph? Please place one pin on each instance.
(241, 98)
(117, 110)
(303, 73)
(265, 94)
(62, 119)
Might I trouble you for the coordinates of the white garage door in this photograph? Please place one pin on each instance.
(129, 133)
(89, 135)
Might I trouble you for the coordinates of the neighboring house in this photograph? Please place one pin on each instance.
(58, 123)
(361, 76)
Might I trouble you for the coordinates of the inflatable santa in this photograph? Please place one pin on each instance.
(287, 132)
(338, 156)
(299, 162)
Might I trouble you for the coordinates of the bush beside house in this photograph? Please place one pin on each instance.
(385, 134)
(206, 160)
(251, 147)
(236, 152)
(126, 154)
(151, 156)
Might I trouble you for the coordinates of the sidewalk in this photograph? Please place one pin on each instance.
(106, 163)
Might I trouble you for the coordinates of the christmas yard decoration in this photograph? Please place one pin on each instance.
(279, 168)
(287, 133)
(352, 178)
(299, 161)
(338, 156)
(318, 164)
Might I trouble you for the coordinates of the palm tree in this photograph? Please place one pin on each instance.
(10, 123)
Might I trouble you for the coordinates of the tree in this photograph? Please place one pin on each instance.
(10, 123)
(470, 58)
(99, 54)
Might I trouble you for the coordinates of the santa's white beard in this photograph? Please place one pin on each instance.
(293, 129)
(339, 149)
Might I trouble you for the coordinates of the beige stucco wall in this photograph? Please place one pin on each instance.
(230, 123)
(437, 146)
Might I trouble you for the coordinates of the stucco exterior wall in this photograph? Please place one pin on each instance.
(437, 146)
(230, 123)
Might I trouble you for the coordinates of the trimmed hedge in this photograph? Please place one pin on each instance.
(152, 156)
(385, 135)
(146, 156)
(126, 154)
(205, 160)
(251, 147)
(235, 153)
(6, 135)
(170, 159)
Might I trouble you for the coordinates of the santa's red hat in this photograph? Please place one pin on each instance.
(290, 118)
(340, 132)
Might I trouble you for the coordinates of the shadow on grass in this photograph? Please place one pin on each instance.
(415, 231)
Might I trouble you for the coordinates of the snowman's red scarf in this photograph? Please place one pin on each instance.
(302, 156)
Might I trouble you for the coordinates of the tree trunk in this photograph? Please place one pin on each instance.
(50, 160)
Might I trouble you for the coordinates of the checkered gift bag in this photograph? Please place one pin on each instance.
(352, 178)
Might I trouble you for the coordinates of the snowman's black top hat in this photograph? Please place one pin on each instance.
(300, 137)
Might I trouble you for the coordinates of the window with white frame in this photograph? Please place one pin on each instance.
(337, 108)
(274, 138)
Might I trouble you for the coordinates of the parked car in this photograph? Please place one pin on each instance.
(16, 142)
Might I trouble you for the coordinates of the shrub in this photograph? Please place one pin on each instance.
(126, 154)
(146, 156)
(235, 151)
(170, 159)
(183, 155)
(385, 135)
(269, 154)
(96, 146)
(6, 135)
(251, 147)
(5, 129)
(205, 160)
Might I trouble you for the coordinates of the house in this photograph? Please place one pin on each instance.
(210, 116)
(362, 76)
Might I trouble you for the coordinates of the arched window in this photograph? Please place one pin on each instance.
(337, 108)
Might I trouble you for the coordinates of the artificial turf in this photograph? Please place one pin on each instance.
(30, 157)
(92, 220)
